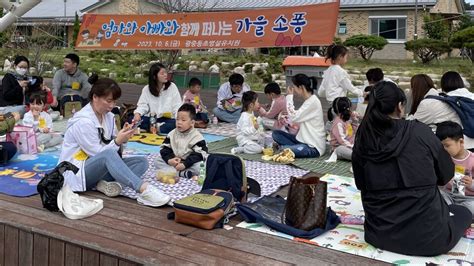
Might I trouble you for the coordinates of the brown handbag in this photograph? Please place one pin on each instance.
(305, 207)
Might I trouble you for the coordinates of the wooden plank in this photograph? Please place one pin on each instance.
(11, 245)
(106, 260)
(90, 257)
(144, 237)
(73, 255)
(57, 250)
(89, 240)
(25, 248)
(126, 263)
(40, 250)
(2, 244)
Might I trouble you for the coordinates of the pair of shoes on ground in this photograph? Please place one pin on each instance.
(152, 196)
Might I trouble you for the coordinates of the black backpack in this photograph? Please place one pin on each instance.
(51, 183)
(227, 172)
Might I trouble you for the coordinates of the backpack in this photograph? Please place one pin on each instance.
(70, 104)
(227, 172)
(464, 107)
(207, 209)
(51, 184)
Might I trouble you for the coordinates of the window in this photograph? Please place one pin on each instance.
(391, 28)
(342, 28)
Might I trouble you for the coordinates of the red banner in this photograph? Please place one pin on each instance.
(278, 27)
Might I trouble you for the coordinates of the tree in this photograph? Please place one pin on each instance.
(464, 39)
(465, 22)
(366, 44)
(77, 27)
(436, 27)
(427, 49)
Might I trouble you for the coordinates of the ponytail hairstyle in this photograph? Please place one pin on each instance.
(383, 100)
(103, 87)
(341, 107)
(303, 80)
(247, 98)
(334, 51)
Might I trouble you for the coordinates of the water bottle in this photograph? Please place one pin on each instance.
(202, 173)
(153, 123)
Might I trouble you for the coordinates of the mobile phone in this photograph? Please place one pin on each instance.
(137, 124)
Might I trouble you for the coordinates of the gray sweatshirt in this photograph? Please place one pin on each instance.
(66, 84)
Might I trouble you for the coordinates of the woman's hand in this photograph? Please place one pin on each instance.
(124, 134)
(137, 117)
(290, 90)
(23, 83)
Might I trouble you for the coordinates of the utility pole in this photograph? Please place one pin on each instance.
(415, 32)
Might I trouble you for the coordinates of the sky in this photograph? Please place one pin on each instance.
(470, 2)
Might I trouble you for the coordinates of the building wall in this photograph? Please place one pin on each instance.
(446, 7)
(358, 23)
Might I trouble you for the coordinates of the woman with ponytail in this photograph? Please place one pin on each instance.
(398, 166)
(336, 81)
(311, 138)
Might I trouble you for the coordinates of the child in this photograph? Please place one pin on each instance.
(247, 127)
(41, 123)
(310, 142)
(273, 118)
(37, 86)
(450, 134)
(362, 107)
(343, 130)
(336, 82)
(184, 148)
(7, 148)
(193, 97)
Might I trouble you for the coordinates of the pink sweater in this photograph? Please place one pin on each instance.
(461, 165)
(194, 99)
(278, 106)
(342, 133)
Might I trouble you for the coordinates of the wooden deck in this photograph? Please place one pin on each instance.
(125, 233)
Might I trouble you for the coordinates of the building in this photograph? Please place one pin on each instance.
(392, 19)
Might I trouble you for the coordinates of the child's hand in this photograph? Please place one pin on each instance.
(467, 181)
(45, 130)
(180, 167)
(46, 88)
(174, 162)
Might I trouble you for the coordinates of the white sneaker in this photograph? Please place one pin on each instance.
(110, 189)
(153, 197)
(236, 150)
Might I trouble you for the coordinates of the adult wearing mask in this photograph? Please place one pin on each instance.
(398, 165)
(13, 87)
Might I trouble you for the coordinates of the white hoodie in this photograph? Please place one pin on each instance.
(82, 140)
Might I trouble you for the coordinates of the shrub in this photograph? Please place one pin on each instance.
(427, 49)
(248, 68)
(436, 27)
(366, 44)
(464, 39)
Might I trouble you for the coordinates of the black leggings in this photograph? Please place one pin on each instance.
(462, 219)
(10, 150)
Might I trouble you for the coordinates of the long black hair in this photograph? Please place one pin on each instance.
(341, 107)
(152, 80)
(334, 51)
(383, 100)
(303, 80)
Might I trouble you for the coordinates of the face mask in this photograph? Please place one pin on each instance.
(21, 71)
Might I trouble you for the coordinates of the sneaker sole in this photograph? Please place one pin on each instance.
(110, 189)
(148, 203)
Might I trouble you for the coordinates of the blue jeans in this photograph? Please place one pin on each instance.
(288, 141)
(225, 116)
(108, 166)
(8, 150)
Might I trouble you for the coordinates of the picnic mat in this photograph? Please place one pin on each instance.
(20, 177)
(317, 165)
(148, 138)
(221, 129)
(270, 177)
(344, 198)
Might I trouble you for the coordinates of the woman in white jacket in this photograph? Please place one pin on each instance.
(432, 111)
(311, 138)
(92, 143)
(161, 98)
